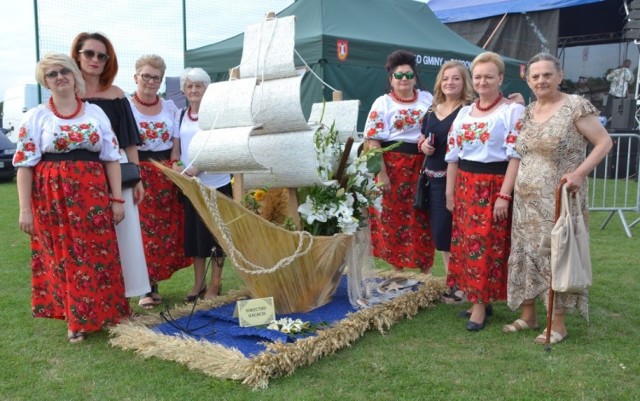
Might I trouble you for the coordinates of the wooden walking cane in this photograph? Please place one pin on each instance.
(547, 342)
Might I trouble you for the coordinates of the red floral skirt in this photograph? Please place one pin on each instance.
(76, 273)
(479, 246)
(161, 221)
(401, 234)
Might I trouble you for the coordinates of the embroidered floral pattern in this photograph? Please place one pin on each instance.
(402, 120)
(161, 221)
(76, 273)
(479, 245)
(67, 138)
(401, 234)
(153, 132)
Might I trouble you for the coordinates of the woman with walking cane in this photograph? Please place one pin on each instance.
(552, 143)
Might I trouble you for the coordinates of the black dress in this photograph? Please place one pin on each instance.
(439, 216)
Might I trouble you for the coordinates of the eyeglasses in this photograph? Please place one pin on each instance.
(148, 77)
(54, 74)
(89, 54)
(400, 75)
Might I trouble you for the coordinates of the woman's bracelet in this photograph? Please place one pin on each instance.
(117, 200)
(420, 142)
(505, 197)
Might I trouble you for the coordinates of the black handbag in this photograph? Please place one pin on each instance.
(421, 198)
(130, 173)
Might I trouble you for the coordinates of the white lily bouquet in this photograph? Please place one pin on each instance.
(289, 326)
(340, 204)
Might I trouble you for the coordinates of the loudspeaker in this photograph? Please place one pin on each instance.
(623, 113)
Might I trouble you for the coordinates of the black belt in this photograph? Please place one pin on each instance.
(72, 155)
(146, 155)
(498, 168)
(405, 147)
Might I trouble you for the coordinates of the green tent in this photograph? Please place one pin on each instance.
(366, 31)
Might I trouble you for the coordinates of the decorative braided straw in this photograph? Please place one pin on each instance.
(300, 271)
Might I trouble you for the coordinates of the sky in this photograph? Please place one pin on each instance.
(135, 28)
(141, 27)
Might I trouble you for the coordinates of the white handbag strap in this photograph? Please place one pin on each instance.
(566, 199)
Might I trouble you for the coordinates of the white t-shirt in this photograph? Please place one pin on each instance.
(187, 131)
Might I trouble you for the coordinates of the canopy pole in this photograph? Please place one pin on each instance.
(494, 31)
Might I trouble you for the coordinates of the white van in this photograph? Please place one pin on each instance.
(17, 100)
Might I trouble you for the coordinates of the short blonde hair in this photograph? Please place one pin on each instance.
(489, 57)
(153, 60)
(51, 59)
(467, 90)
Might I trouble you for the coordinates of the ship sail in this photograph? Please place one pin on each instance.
(253, 124)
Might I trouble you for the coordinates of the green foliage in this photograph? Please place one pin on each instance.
(428, 357)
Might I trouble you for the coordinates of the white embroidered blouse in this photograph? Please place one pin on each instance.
(156, 132)
(42, 132)
(392, 121)
(485, 139)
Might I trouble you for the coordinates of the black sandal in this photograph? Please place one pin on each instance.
(75, 338)
(452, 297)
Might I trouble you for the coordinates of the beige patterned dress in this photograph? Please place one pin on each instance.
(549, 150)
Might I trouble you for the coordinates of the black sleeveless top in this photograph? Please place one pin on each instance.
(122, 120)
(439, 130)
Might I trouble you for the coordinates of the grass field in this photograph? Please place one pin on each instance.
(429, 357)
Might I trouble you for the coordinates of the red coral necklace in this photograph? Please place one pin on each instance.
(192, 118)
(153, 103)
(401, 100)
(55, 111)
(491, 106)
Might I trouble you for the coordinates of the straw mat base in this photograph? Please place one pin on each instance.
(279, 358)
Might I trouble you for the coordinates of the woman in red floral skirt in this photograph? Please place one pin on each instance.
(400, 234)
(67, 159)
(480, 179)
(161, 214)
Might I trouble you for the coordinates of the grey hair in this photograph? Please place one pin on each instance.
(51, 59)
(544, 57)
(194, 75)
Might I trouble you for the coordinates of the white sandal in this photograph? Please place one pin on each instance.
(518, 325)
(553, 339)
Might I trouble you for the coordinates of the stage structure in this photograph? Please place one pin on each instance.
(632, 32)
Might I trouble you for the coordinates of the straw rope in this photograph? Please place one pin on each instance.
(212, 204)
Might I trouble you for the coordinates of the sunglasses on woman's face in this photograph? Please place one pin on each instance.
(400, 75)
(54, 74)
(90, 54)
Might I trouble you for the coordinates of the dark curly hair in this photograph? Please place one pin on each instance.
(401, 57)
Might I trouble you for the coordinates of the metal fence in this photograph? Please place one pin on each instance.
(614, 183)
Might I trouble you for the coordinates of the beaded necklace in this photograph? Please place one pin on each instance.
(401, 100)
(55, 111)
(190, 116)
(153, 103)
(491, 106)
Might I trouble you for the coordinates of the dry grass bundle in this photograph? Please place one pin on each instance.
(300, 271)
(274, 206)
(278, 359)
